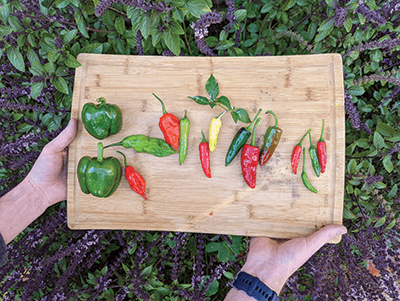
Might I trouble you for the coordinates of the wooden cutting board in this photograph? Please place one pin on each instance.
(301, 90)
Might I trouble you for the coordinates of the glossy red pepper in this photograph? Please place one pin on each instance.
(296, 154)
(321, 150)
(249, 160)
(204, 151)
(169, 125)
(135, 180)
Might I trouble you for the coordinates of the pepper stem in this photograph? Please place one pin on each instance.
(220, 115)
(304, 159)
(185, 115)
(114, 144)
(276, 118)
(322, 132)
(301, 141)
(253, 139)
(254, 120)
(162, 103)
(124, 158)
(204, 138)
(100, 152)
(311, 145)
(102, 100)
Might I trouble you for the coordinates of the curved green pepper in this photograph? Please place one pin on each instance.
(239, 141)
(304, 176)
(99, 176)
(184, 126)
(149, 145)
(101, 120)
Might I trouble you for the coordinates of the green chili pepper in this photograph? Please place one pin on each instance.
(101, 120)
(239, 141)
(99, 176)
(143, 144)
(184, 126)
(304, 176)
(314, 158)
(271, 141)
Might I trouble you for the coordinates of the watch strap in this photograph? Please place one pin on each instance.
(254, 287)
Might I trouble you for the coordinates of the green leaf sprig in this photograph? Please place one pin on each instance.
(213, 100)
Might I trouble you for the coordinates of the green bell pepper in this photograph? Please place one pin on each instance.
(101, 120)
(99, 176)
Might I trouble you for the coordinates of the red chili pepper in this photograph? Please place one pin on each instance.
(169, 125)
(321, 150)
(204, 150)
(296, 154)
(249, 160)
(135, 180)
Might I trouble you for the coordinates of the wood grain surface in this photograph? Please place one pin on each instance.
(301, 90)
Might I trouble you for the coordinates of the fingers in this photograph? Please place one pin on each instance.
(59, 143)
(322, 236)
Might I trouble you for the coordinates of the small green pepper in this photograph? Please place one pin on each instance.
(101, 120)
(99, 176)
(149, 145)
(314, 158)
(239, 141)
(304, 176)
(184, 126)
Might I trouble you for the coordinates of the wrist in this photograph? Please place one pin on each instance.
(268, 274)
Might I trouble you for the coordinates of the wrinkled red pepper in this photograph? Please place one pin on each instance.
(135, 180)
(204, 151)
(321, 150)
(169, 125)
(296, 154)
(249, 160)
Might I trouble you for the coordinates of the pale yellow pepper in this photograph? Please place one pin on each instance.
(215, 126)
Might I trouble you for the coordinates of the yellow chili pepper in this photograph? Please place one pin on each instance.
(215, 126)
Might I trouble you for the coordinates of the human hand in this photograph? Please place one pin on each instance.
(49, 173)
(274, 262)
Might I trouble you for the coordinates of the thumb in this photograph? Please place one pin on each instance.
(59, 143)
(316, 240)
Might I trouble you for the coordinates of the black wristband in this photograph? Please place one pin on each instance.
(3, 251)
(254, 287)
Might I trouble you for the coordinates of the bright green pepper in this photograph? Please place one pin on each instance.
(101, 120)
(184, 126)
(304, 176)
(314, 158)
(143, 144)
(99, 176)
(239, 141)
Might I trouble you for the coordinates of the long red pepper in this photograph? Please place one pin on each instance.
(296, 154)
(169, 125)
(321, 150)
(204, 151)
(249, 160)
(135, 180)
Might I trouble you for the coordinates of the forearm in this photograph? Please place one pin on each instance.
(18, 208)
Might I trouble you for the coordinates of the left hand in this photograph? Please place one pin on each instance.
(49, 173)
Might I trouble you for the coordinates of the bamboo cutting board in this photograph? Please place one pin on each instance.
(301, 90)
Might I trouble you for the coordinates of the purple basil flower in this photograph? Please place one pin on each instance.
(201, 30)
